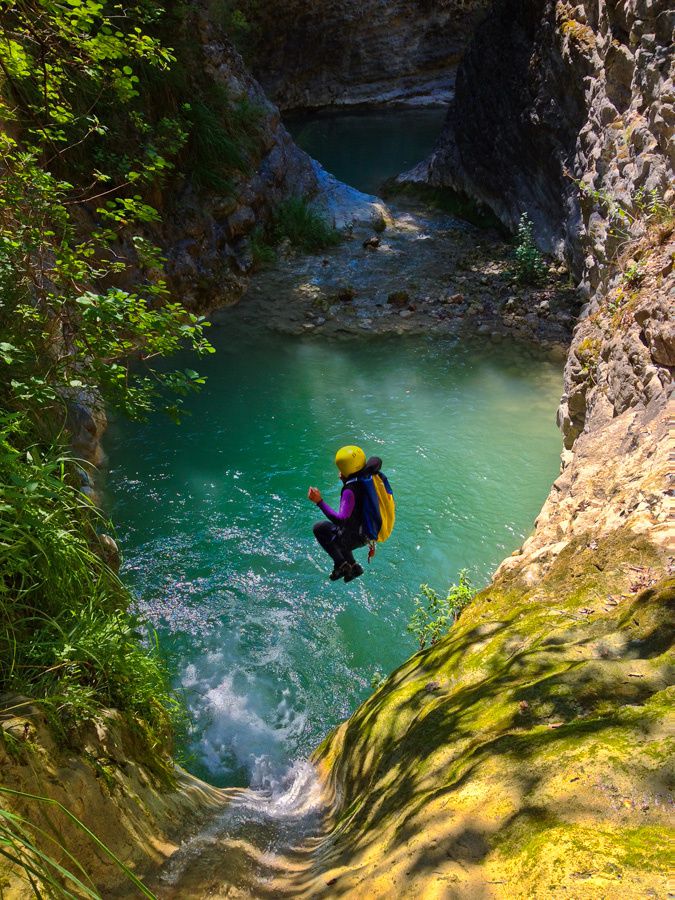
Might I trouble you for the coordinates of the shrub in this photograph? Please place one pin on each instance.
(224, 136)
(530, 267)
(377, 679)
(588, 353)
(653, 207)
(633, 274)
(434, 615)
(262, 251)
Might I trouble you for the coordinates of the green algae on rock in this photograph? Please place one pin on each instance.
(539, 761)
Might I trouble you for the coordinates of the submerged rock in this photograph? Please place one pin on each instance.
(398, 298)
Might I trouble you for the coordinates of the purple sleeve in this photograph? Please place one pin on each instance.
(347, 502)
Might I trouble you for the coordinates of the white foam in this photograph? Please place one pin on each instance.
(293, 794)
(233, 727)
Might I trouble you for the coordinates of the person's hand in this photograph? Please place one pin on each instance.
(314, 495)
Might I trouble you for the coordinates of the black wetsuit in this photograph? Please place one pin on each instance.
(337, 536)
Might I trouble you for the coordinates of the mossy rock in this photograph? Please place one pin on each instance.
(538, 766)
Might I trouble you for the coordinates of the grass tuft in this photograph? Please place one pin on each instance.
(295, 220)
(67, 636)
(57, 872)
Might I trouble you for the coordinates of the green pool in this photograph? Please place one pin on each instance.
(217, 531)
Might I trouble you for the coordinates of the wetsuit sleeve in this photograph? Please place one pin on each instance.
(347, 502)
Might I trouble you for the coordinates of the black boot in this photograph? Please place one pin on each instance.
(341, 571)
(354, 572)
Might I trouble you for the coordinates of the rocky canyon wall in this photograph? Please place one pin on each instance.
(564, 112)
(567, 113)
(309, 54)
(205, 232)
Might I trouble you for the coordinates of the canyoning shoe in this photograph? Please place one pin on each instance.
(354, 572)
(340, 571)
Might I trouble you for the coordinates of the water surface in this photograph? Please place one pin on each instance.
(366, 148)
(217, 530)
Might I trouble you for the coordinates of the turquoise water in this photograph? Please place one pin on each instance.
(366, 148)
(217, 531)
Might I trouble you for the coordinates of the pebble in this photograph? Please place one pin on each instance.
(398, 298)
(405, 313)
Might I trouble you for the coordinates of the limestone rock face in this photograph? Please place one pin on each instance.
(205, 234)
(87, 421)
(309, 54)
(564, 112)
(614, 415)
(131, 798)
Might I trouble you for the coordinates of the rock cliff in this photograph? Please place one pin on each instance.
(614, 413)
(564, 112)
(309, 55)
(205, 233)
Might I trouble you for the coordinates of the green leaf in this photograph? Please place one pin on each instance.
(7, 351)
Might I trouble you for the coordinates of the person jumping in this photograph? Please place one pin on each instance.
(344, 531)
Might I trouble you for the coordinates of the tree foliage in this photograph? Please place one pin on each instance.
(530, 267)
(73, 209)
(84, 309)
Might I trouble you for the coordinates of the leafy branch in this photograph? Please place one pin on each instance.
(434, 614)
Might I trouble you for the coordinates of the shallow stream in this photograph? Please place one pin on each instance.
(217, 530)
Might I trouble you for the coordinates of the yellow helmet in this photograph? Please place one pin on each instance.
(350, 459)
